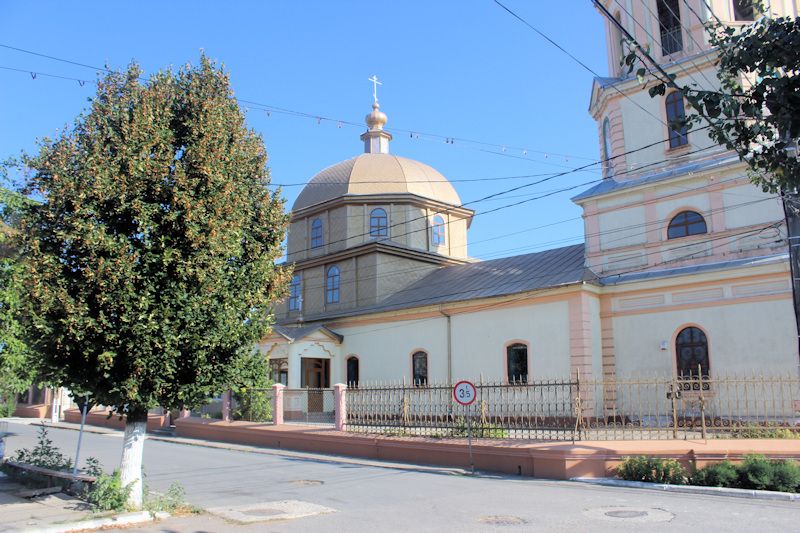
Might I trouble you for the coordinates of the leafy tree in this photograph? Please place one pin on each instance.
(149, 266)
(16, 372)
(757, 110)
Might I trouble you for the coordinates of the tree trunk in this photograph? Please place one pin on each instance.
(132, 452)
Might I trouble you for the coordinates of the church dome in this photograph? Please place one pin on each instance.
(376, 174)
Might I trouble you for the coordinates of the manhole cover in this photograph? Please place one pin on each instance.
(625, 514)
(639, 515)
(306, 482)
(266, 511)
(501, 520)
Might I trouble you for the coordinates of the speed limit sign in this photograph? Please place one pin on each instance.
(464, 392)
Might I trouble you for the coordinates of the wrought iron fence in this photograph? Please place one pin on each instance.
(310, 406)
(699, 406)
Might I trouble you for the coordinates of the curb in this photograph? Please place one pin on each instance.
(324, 458)
(693, 489)
(126, 519)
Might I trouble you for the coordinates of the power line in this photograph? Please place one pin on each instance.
(537, 293)
(645, 225)
(417, 134)
(578, 61)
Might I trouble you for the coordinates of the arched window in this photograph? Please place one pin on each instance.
(517, 363)
(378, 223)
(607, 152)
(675, 115)
(743, 10)
(669, 20)
(437, 231)
(317, 238)
(332, 285)
(691, 350)
(686, 223)
(295, 300)
(419, 363)
(352, 371)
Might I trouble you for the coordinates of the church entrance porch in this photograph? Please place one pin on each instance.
(313, 401)
(315, 375)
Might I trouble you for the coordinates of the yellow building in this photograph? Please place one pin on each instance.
(684, 266)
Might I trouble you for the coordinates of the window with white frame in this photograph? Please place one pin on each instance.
(317, 238)
(295, 299)
(378, 223)
(332, 285)
(437, 231)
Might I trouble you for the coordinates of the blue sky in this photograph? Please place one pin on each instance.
(462, 69)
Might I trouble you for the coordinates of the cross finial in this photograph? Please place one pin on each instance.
(375, 83)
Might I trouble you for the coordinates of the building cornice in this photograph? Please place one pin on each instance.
(383, 199)
(379, 247)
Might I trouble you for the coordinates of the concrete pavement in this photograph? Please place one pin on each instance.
(369, 498)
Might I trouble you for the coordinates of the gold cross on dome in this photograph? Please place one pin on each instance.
(375, 83)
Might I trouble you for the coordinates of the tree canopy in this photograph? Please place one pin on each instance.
(149, 266)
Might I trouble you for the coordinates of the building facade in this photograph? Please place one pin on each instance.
(684, 268)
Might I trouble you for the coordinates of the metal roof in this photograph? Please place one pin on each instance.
(498, 277)
(612, 185)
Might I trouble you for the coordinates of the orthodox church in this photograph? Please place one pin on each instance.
(684, 267)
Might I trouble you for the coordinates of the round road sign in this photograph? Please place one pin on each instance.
(464, 392)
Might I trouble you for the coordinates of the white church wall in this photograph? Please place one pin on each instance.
(622, 227)
(741, 338)
(741, 211)
(384, 349)
(480, 339)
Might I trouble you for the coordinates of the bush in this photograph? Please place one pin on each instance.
(755, 472)
(766, 432)
(171, 501)
(785, 476)
(107, 493)
(652, 470)
(44, 454)
(7, 407)
(722, 474)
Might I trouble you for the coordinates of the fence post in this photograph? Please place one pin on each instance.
(277, 403)
(340, 405)
(226, 406)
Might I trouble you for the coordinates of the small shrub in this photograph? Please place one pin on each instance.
(766, 432)
(755, 472)
(7, 407)
(107, 493)
(785, 476)
(44, 454)
(171, 501)
(652, 470)
(723, 474)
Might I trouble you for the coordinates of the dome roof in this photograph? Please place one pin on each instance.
(373, 174)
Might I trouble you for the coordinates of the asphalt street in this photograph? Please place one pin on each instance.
(370, 498)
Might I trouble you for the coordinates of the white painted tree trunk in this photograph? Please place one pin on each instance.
(131, 465)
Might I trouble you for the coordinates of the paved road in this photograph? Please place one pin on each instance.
(369, 498)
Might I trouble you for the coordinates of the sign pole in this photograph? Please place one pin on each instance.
(464, 393)
(469, 439)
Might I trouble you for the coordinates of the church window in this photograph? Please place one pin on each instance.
(378, 223)
(517, 363)
(419, 362)
(686, 223)
(352, 371)
(676, 114)
(437, 231)
(691, 350)
(607, 166)
(294, 293)
(669, 19)
(317, 239)
(743, 10)
(332, 285)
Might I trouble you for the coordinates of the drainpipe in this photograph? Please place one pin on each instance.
(449, 347)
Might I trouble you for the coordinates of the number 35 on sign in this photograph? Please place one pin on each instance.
(464, 392)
